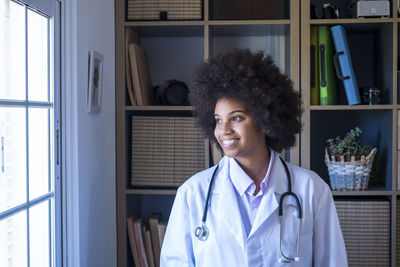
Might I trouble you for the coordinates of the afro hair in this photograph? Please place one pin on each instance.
(255, 81)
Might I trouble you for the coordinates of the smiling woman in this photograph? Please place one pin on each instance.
(253, 208)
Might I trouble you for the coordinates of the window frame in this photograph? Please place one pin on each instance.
(50, 9)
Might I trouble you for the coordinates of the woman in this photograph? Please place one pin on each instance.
(243, 102)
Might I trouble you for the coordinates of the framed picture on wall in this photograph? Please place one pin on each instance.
(95, 81)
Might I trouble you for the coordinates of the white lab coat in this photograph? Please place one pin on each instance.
(321, 242)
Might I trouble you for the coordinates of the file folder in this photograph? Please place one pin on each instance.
(327, 83)
(314, 66)
(343, 65)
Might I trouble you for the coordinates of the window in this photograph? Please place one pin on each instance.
(29, 134)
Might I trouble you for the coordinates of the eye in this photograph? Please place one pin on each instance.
(218, 121)
(236, 118)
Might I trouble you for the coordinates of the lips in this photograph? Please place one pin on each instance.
(229, 142)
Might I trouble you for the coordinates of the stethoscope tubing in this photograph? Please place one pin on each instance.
(202, 231)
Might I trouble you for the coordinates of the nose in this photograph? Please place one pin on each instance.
(224, 128)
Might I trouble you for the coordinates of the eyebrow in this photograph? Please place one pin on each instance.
(234, 111)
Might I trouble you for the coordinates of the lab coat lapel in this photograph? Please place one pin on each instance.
(276, 186)
(228, 207)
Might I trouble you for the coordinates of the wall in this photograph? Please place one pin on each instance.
(90, 137)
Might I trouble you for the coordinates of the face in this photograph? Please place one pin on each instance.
(236, 131)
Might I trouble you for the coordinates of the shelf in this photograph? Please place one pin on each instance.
(203, 22)
(157, 108)
(164, 23)
(150, 191)
(248, 22)
(349, 21)
(355, 107)
(363, 193)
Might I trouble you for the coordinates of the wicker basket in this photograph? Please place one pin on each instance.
(349, 175)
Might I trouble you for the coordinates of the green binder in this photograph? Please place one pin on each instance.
(327, 76)
(314, 66)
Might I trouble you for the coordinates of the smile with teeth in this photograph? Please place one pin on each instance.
(229, 142)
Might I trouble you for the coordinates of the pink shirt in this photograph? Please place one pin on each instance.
(245, 187)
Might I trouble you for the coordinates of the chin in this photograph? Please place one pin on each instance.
(231, 154)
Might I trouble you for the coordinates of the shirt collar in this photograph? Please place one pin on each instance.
(241, 181)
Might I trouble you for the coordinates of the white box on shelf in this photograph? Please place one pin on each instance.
(372, 9)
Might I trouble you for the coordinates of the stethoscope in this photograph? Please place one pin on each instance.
(202, 231)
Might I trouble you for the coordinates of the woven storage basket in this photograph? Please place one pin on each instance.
(349, 175)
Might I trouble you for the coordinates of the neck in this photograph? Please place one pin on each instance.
(256, 166)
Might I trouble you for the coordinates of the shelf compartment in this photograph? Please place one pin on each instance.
(163, 10)
(143, 206)
(272, 39)
(173, 52)
(371, 50)
(366, 228)
(397, 235)
(343, 7)
(397, 67)
(327, 124)
(167, 136)
(252, 9)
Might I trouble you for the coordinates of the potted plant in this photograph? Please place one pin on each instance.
(349, 162)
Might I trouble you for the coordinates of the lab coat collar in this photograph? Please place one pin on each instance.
(228, 208)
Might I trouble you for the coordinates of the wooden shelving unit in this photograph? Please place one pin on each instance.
(184, 44)
(379, 122)
(188, 43)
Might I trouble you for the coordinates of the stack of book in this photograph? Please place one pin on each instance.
(165, 150)
(146, 242)
(164, 10)
(329, 53)
(366, 231)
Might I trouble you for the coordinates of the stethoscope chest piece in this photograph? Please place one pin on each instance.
(202, 232)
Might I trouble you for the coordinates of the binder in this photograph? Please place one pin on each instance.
(327, 83)
(344, 66)
(314, 66)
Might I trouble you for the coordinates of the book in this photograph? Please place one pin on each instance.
(162, 228)
(137, 229)
(314, 66)
(130, 37)
(148, 245)
(154, 219)
(327, 77)
(344, 65)
(132, 240)
(135, 74)
(140, 74)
